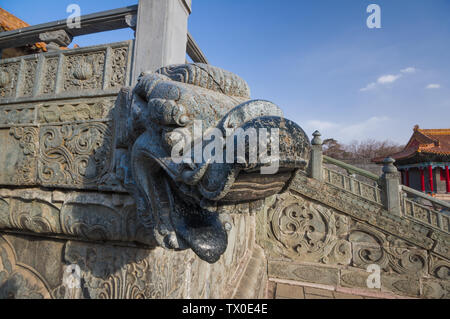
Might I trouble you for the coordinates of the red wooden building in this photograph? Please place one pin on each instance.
(425, 160)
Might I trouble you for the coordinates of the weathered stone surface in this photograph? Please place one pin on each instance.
(100, 69)
(91, 176)
(16, 280)
(402, 285)
(36, 268)
(304, 273)
(302, 226)
(308, 232)
(162, 113)
(436, 289)
(354, 278)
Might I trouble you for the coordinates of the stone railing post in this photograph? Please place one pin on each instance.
(390, 183)
(316, 170)
(161, 34)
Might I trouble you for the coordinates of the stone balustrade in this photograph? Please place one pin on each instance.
(386, 189)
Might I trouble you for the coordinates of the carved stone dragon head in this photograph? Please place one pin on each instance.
(179, 201)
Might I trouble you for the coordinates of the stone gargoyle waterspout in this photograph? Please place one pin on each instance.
(179, 201)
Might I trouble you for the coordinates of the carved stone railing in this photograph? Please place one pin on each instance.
(350, 169)
(353, 185)
(86, 167)
(58, 34)
(385, 191)
(98, 70)
(55, 116)
(430, 216)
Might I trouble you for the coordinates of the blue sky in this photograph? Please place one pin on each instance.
(317, 59)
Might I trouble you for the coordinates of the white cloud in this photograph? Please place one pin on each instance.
(388, 78)
(433, 86)
(321, 125)
(409, 70)
(347, 132)
(369, 86)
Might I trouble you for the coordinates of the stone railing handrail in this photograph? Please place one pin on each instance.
(425, 215)
(91, 23)
(387, 191)
(353, 185)
(58, 33)
(424, 196)
(351, 168)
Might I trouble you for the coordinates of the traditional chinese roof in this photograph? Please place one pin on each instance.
(9, 22)
(425, 144)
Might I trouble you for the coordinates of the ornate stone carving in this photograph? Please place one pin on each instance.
(28, 142)
(4, 79)
(34, 216)
(436, 289)
(110, 273)
(77, 111)
(118, 67)
(18, 281)
(74, 154)
(87, 216)
(178, 203)
(84, 72)
(67, 72)
(14, 116)
(49, 75)
(309, 232)
(373, 247)
(439, 268)
(9, 74)
(362, 210)
(29, 74)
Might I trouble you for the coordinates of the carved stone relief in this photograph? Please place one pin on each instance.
(391, 254)
(77, 111)
(118, 67)
(75, 155)
(48, 79)
(9, 73)
(84, 71)
(309, 232)
(19, 281)
(69, 72)
(71, 214)
(29, 74)
(25, 173)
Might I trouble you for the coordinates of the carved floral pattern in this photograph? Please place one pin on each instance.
(8, 76)
(69, 112)
(74, 154)
(373, 247)
(309, 232)
(16, 116)
(29, 74)
(28, 142)
(118, 67)
(49, 78)
(84, 71)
